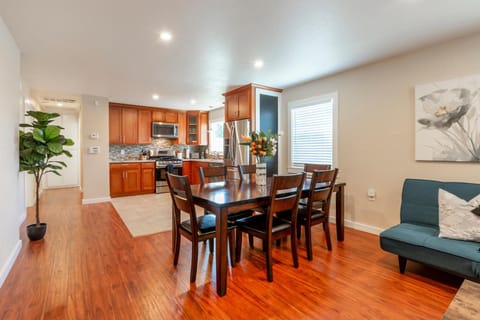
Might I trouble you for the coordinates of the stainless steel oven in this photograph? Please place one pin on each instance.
(161, 185)
(162, 164)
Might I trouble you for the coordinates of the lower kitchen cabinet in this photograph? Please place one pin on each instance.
(190, 169)
(132, 178)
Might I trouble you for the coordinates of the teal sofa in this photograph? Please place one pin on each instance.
(416, 237)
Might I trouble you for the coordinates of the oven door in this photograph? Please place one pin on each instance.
(161, 178)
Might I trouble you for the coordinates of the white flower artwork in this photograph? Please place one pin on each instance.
(447, 119)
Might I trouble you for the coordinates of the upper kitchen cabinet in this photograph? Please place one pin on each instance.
(241, 103)
(123, 125)
(129, 124)
(144, 126)
(182, 127)
(163, 115)
(238, 104)
(197, 127)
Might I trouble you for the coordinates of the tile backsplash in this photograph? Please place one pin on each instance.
(132, 151)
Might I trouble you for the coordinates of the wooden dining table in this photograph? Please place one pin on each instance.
(226, 197)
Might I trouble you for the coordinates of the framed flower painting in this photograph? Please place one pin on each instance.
(447, 120)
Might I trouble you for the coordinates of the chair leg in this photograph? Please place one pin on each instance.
(193, 268)
(278, 242)
(326, 229)
(293, 241)
(176, 247)
(308, 240)
(299, 230)
(268, 254)
(238, 245)
(231, 246)
(210, 244)
(250, 241)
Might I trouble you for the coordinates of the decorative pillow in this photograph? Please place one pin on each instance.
(457, 219)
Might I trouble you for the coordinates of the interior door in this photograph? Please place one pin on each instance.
(69, 175)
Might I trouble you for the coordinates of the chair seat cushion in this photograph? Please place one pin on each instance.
(259, 223)
(302, 214)
(206, 224)
(240, 215)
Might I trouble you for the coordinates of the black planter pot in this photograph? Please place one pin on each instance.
(36, 232)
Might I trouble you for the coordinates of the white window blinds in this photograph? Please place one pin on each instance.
(311, 133)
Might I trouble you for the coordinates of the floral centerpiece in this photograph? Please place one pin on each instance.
(261, 144)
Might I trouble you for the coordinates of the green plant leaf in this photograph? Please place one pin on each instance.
(51, 132)
(42, 149)
(38, 135)
(55, 147)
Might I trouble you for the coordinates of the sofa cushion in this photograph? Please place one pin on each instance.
(427, 237)
(410, 233)
(456, 219)
(420, 199)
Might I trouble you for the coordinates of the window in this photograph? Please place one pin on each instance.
(312, 126)
(216, 136)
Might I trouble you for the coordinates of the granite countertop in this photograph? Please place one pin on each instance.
(205, 160)
(130, 160)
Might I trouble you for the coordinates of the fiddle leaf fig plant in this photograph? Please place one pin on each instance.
(39, 143)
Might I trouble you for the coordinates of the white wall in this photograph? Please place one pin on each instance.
(95, 167)
(12, 197)
(377, 126)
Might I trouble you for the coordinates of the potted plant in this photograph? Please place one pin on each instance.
(38, 146)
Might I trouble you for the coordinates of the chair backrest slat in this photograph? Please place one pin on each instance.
(321, 188)
(309, 167)
(285, 193)
(247, 169)
(211, 174)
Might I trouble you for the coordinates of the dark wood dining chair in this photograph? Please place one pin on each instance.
(317, 210)
(195, 228)
(285, 192)
(212, 174)
(247, 170)
(309, 167)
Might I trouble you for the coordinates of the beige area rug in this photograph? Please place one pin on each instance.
(145, 214)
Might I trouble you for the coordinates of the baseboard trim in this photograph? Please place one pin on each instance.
(360, 226)
(9, 263)
(96, 200)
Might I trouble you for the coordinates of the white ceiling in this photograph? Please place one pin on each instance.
(111, 48)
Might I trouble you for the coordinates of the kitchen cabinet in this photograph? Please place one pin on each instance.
(197, 127)
(115, 125)
(148, 177)
(241, 103)
(132, 178)
(238, 105)
(182, 127)
(164, 115)
(144, 126)
(123, 125)
(195, 174)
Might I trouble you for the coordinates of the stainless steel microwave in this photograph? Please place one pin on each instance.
(164, 130)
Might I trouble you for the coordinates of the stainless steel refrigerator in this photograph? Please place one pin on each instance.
(234, 153)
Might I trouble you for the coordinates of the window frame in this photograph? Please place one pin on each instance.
(333, 96)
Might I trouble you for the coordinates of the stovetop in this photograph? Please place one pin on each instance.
(163, 161)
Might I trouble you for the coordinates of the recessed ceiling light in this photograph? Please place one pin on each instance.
(165, 36)
(193, 101)
(59, 104)
(258, 64)
(155, 96)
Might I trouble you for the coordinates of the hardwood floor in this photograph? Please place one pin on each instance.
(89, 267)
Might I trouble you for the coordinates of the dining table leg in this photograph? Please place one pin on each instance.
(339, 210)
(221, 252)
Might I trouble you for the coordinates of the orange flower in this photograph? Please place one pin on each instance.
(253, 144)
(262, 153)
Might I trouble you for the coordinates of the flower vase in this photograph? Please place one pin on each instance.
(261, 174)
